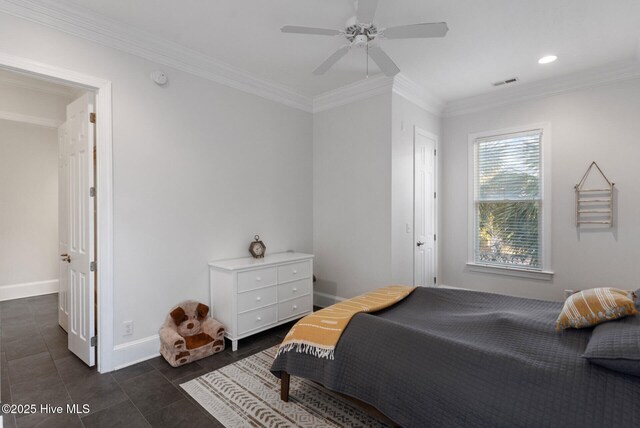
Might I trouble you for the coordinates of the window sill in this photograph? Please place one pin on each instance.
(542, 275)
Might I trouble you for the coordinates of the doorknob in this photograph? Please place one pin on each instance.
(420, 244)
(66, 258)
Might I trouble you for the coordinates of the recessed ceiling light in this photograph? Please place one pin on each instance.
(547, 59)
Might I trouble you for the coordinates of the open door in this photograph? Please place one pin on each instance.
(424, 208)
(81, 249)
(63, 225)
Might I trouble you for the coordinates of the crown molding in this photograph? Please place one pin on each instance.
(377, 85)
(614, 72)
(90, 26)
(106, 32)
(353, 92)
(418, 95)
(31, 120)
(96, 28)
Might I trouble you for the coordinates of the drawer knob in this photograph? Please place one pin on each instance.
(295, 306)
(294, 272)
(258, 298)
(295, 289)
(259, 319)
(258, 278)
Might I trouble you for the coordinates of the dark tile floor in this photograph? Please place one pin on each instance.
(37, 368)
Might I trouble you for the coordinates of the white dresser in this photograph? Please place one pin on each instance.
(252, 295)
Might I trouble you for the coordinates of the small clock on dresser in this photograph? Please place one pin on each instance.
(257, 248)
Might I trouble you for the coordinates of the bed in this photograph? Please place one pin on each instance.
(458, 358)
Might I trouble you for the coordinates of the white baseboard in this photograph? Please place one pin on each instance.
(130, 353)
(454, 287)
(323, 299)
(28, 289)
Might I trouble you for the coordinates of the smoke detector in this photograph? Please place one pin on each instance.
(159, 77)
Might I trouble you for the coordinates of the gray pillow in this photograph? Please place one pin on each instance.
(616, 345)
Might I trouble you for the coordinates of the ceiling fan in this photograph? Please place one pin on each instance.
(361, 32)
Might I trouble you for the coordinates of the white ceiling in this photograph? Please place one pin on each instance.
(489, 40)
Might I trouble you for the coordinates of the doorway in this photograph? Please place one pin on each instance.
(47, 203)
(424, 188)
(102, 270)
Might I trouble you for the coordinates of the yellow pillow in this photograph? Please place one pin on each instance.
(594, 306)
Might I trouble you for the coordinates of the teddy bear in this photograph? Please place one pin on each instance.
(188, 334)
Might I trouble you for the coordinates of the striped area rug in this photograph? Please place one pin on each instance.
(246, 394)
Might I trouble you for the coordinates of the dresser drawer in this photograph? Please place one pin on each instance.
(294, 307)
(257, 278)
(294, 289)
(257, 298)
(294, 271)
(256, 319)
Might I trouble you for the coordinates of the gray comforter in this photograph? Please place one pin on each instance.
(456, 358)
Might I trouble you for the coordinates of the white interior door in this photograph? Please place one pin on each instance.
(63, 225)
(424, 208)
(81, 229)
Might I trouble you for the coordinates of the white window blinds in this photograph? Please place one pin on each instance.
(508, 200)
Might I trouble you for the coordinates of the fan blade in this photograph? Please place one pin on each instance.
(435, 29)
(328, 63)
(309, 30)
(385, 63)
(366, 11)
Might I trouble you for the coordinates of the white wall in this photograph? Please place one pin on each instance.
(37, 104)
(199, 168)
(28, 206)
(363, 194)
(406, 116)
(600, 124)
(352, 197)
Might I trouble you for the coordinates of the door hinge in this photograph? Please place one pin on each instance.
(92, 192)
(92, 117)
(92, 266)
(434, 236)
(434, 152)
(434, 195)
(434, 280)
(94, 341)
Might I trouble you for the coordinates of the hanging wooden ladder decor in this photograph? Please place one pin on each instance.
(594, 205)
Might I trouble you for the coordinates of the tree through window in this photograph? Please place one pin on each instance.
(508, 200)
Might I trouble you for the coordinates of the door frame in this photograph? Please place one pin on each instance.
(419, 131)
(104, 187)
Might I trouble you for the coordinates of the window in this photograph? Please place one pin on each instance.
(509, 204)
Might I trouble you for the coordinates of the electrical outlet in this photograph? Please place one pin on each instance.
(127, 328)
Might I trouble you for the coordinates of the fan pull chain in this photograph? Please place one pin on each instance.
(367, 60)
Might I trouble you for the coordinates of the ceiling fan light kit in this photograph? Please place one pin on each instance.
(361, 32)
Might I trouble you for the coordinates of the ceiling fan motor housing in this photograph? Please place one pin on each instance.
(360, 34)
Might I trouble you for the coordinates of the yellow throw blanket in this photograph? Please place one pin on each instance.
(317, 334)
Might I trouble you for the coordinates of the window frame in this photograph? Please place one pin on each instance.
(544, 272)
